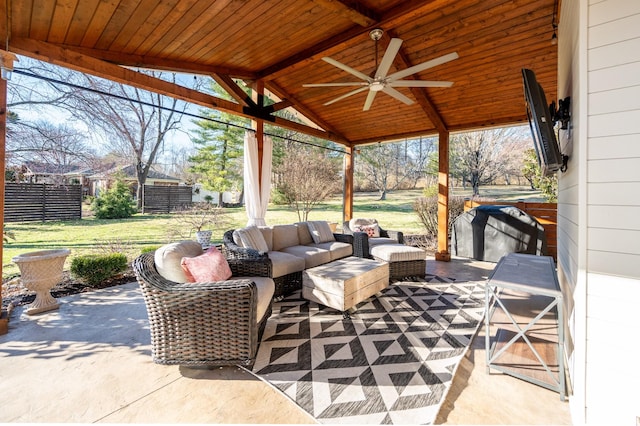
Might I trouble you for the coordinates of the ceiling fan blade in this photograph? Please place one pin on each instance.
(369, 101)
(399, 96)
(346, 68)
(346, 95)
(420, 83)
(354, 83)
(387, 59)
(423, 66)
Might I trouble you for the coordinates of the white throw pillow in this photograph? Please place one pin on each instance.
(251, 237)
(320, 231)
(168, 257)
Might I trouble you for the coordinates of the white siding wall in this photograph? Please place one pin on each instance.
(599, 206)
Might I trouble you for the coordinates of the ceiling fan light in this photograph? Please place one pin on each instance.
(376, 86)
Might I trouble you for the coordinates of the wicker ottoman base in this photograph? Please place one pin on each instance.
(404, 261)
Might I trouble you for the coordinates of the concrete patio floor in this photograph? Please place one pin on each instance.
(90, 362)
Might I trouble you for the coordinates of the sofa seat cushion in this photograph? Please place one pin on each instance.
(337, 249)
(285, 263)
(381, 240)
(168, 258)
(313, 256)
(266, 288)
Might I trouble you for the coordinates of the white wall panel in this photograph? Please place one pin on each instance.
(626, 75)
(615, 240)
(619, 31)
(617, 194)
(614, 264)
(615, 170)
(611, 10)
(620, 146)
(615, 217)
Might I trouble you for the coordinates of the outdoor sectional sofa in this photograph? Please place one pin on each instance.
(283, 252)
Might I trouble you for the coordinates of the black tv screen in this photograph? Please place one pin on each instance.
(541, 123)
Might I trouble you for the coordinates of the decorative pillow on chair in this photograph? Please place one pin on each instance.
(320, 231)
(372, 231)
(208, 267)
(251, 237)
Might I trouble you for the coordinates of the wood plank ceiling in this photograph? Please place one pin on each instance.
(280, 43)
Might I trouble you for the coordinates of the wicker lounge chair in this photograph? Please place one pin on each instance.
(200, 324)
(361, 243)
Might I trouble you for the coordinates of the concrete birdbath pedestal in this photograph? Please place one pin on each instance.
(40, 271)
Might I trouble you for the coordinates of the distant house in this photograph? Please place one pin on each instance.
(37, 172)
(102, 181)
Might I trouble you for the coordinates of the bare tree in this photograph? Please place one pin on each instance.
(306, 178)
(134, 122)
(480, 157)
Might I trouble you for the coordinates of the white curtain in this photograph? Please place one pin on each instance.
(256, 199)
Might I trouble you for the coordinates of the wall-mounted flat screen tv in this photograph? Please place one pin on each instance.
(542, 125)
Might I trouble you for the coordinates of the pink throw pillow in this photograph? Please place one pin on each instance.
(208, 267)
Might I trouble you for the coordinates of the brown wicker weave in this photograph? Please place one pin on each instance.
(250, 262)
(406, 269)
(200, 324)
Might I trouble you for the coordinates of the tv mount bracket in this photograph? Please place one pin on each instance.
(563, 115)
(562, 112)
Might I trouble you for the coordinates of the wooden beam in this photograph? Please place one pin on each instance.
(164, 64)
(7, 60)
(347, 193)
(232, 88)
(284, 104)
(353, 10)
(443, 198)
(79, 62)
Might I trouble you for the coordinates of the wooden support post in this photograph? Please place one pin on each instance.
(347, 196)
(7, 59)
(443, 198)
(259, 125)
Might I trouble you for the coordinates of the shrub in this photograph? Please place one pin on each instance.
(94, 269)
(116, 203)
(427, 210)
(148, 249)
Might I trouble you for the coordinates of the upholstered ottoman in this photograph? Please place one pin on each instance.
(404, 261)
(344, 283)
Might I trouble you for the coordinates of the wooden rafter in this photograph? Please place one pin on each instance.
(79, 62)
(352, 10)
(232, 88)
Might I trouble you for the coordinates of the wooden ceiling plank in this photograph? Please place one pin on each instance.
(100, 19)
(41, 15)
(198, 30)
(354, 11)
(20, 17)
(232, 88)
(160, 16)
(139, 22)
(62, 15)
(118, 21)
(81, 19)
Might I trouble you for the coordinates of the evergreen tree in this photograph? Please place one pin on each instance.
(220, 142)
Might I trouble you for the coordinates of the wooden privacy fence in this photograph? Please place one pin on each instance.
(38, 202)
(545, 213)
(165, 199)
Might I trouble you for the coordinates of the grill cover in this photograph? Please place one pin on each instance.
(491, 231)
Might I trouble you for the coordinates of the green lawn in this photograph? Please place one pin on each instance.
(131, 235)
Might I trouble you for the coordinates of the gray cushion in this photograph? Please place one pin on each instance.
(303, 233)
(251, 237)
(285, 263)
(285, 236)
(320, 231)
(381, 240)
(168, 257)
(313, 256)
(337, 249)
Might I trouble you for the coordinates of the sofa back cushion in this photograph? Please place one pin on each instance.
(251, 237)
(303, 233)
(320, 231)
(267, 233)
(168, 257)
(285, 236)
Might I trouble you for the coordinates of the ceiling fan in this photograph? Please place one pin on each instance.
(380, 81)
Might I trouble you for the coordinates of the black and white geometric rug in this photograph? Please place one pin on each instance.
(391, 363)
